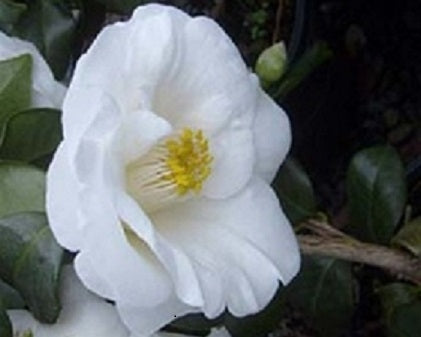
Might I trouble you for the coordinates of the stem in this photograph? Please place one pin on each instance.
(277, 30)
(336, 244)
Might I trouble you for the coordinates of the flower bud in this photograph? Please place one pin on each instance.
(271, 64)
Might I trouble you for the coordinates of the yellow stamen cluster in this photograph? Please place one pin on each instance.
(188, 161)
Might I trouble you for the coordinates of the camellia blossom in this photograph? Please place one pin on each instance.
(46, 92)
(162, 182)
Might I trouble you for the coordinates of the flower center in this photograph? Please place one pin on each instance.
(170, 170)
(188, 161)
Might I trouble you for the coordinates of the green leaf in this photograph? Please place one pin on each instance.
(10, 13)
(15, 87)
(295, 191)
(30, 260)
(121, 6)
(31, 134)
(401, 309)
(376, 193)
(5, 324)
(10, 297)
(50, 25)
(323, 291)
(409, 237)
(22, 189)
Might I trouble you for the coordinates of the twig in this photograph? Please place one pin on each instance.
(331, 243)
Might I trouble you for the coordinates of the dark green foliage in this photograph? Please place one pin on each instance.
(295, 191)
(30, 261)
(376, 193)
(324, 291)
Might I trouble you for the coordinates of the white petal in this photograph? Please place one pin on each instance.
(272, 137)
(133, 278)
(128, 59)
(149, 320)
(82, 108)
(141, 130)
(22, 321)
(101, 67)
(174, 260)
(208, 82)
(83, 313)
(88, 271)
(229, 240)
(62, 201)
(233, 161)
(266, 227)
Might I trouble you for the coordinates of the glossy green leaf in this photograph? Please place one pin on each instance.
(295, 191)
(15, 87)
(401, 309)
(30, 260)
(121, 6)
(50, 25)
(324, 292)
(376, 193)
(5, 324)
(10, 297)
(31, 134)
(22, 189)
(10, 13)
(409, 237)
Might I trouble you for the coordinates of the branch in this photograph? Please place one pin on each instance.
(331, 242)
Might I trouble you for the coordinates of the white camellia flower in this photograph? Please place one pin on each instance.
(46, 92)
(83, 315)
(161, 183)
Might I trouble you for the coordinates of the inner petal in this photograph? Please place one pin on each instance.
(172, 171)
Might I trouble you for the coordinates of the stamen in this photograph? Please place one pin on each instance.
(174, 169)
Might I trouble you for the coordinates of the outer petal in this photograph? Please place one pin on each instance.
(272, 137)
(89, 272)
(46, 92)
(207, 71)
(63, 207)
(127, 60)
(149, 320)
(229, 241)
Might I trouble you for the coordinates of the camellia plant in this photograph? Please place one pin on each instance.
(145, 188)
